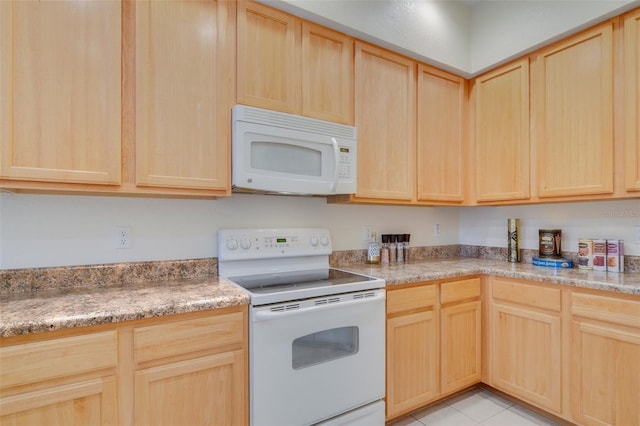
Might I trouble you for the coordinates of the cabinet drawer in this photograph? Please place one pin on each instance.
(455, 291)
(610, 309)
(527, 294)
(179, 337)
(408, 299)
(49, 359)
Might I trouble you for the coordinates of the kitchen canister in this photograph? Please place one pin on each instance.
(585, 253)
(599, 255)
(513, 249)
(550, 243)
(615, 256)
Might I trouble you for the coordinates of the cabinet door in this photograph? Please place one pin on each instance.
(526, 355)
(632, 100)
(573, 112)
(60, 91)
(327, 74)
(441, 100)
(89, 402)
(412, 362)
(268, 58)
(501, 133)
(183, 98)
(203, 391)
(605, 350)
(385, 118)
(461, 346)
(605, 374)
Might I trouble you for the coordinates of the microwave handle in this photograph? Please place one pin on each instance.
(336, 168)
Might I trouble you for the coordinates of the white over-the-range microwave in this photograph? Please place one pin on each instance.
(275, 152)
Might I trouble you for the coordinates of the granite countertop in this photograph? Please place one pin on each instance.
(49, 310)
(40, 310)
(402, 273)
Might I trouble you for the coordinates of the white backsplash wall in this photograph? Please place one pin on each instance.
(61, 230)
(487, 226)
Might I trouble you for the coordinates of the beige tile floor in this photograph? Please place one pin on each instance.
(476, 407)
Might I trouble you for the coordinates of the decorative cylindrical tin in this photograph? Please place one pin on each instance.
(599, 255)
(615, 256)
(550, 243)
(513, 249)
(585, 253)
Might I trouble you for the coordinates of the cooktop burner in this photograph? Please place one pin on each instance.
(284, 264)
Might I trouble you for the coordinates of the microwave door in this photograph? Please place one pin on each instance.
(272, 159)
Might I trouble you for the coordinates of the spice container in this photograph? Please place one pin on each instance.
(406, 246)
(393, 249)
(513, 249)
(384, 251)
(400, 247)
(373, 252)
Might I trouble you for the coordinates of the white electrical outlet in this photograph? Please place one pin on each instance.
(436, 230)
(123, 237)
(367, 233)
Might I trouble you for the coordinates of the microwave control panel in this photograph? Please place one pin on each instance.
(345, 168)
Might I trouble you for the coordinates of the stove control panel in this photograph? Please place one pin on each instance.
(265, 243)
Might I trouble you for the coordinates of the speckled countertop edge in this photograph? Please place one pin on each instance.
(50, 310)
(401, 273)
(42, 310)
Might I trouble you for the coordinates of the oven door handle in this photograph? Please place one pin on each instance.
(266, 315)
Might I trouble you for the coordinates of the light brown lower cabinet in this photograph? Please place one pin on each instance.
(433, 342)
(525, 342)
(176, 369)
(571, 352)
(69, 380)
(605, 360)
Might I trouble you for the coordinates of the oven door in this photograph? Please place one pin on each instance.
(314, 359)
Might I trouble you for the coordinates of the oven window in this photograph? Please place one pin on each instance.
(286, 158)
(324, 346)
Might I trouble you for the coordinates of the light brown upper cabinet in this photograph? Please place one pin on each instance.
(327, 74)
(632, 99)
(184, 94)
(60, 85)
(572, 90)
(501, 133)
(289, 65)
(385, 118)
(440, 139)
(268, 59)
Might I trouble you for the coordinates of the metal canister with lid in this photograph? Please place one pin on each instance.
(550, 243)
(585, 253)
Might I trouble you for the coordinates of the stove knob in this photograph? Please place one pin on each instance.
(232, 244)
(245, 244)
(324, 240)
(314, 241)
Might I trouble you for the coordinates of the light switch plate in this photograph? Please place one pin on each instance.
(637, 234)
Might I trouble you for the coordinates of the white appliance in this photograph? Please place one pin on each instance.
(274, 152)
(316, 334)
